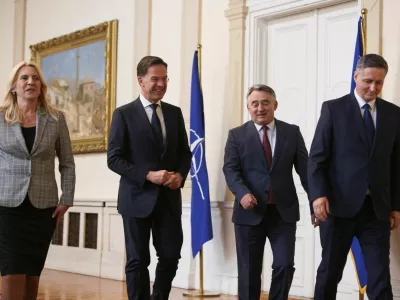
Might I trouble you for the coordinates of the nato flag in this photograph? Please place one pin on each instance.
(201, 212)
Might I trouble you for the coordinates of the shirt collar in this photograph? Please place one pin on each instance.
(361, 101)
(271, 126)
(146, 102)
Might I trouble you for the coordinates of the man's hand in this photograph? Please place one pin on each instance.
(321, 208)
(59, 212)
(158, 177)
(314, 221)
(248, 201)
(394, 219)
(174, 182)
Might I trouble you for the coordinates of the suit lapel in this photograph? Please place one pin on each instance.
(354, 111)
(42, 117)
(280, 141)
(254, 139)
(16, 128)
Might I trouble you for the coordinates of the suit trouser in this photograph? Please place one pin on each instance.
(166, 229)
(336, 238)
(250, 242)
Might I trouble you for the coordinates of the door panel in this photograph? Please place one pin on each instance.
(308, 61)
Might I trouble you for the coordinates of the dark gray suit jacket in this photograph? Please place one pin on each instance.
(246, 171)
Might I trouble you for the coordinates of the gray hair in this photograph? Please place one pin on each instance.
(261, 88)
(372, 61)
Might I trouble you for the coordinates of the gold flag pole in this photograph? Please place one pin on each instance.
(364, 13)
(201, 293)
(199, 60)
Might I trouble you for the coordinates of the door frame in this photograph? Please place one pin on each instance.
(260, 12)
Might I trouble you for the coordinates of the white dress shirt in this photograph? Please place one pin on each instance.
(271, 134)
(362, 102)
(149, 112)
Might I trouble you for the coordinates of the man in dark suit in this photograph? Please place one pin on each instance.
(353, 176)
(148, 147)
(258, 166)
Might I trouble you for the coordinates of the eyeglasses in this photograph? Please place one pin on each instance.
(156, 79)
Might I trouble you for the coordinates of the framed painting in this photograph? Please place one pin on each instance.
(80, 71)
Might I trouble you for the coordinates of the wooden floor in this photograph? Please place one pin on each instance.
(55, 285)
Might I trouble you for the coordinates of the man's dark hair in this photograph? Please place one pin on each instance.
(372, 61)
(148, 61)
(261, 88)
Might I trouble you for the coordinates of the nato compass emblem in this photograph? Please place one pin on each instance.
(197, 149)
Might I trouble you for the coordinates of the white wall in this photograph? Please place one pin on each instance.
(172, 33)
(166, 37)
(47, 19)
(6, 36)
(391, 92)
(391, 49)
(215, 57)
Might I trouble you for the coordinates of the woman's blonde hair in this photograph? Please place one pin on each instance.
(9, 105)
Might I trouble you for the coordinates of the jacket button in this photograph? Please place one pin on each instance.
(29, 174)
(28, 158)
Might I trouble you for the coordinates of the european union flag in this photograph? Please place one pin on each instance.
(201, 211)
(355, 251)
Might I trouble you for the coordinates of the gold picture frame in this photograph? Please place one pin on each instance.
(80, 71)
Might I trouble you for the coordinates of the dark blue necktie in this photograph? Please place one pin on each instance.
(156, 124)
(369, 124)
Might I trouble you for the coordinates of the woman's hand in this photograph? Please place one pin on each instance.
(59, 213)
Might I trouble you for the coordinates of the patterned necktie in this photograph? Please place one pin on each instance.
(369, 124)
(156, 124)
(268, 155)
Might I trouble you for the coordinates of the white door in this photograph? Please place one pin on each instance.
(337, 29)
(308, 60)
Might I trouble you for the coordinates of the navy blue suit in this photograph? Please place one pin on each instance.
(246, 171)
(342, 167)
(133, 151)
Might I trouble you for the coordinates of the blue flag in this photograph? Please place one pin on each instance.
(355, 251)
(358, 52)
(201, 211)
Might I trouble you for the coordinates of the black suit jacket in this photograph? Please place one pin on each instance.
(133, 151)
(246, 171)
(342, 168)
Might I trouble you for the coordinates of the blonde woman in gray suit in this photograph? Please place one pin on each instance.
(32, 133)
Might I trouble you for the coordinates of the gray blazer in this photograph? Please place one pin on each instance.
(23, 173)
